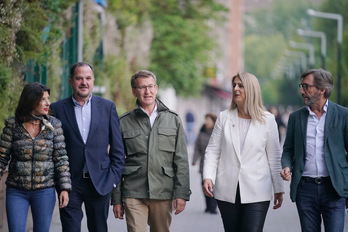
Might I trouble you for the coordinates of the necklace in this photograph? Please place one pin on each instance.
(35, 123)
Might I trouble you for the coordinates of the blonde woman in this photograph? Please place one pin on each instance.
(242, 160)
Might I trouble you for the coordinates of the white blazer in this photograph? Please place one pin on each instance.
(256, 168)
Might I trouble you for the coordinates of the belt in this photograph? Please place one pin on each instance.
(86, 175)
(317, 180)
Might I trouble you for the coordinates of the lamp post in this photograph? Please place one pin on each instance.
(284, 67)
(307, 46)
(302, 55)
(318, 34)
(339, 19)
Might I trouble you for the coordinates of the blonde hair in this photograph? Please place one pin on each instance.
(253, 100)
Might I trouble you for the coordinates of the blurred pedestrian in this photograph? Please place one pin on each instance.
(33, 143)
(242, 160)
(278, 117)
(315, 155)
(95, 150)
(190, 123)
(200, 146)
(156, 173)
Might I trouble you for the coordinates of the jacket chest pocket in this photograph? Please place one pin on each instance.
(166, 139)
(134, 142)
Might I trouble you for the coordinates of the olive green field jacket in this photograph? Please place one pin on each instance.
(156, 164)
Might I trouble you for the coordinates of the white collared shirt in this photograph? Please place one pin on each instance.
(153, 115)
(315, 165)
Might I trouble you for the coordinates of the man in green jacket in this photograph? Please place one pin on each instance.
(314, 155)
(156, 173)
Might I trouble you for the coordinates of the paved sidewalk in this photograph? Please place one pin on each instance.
(193, 218)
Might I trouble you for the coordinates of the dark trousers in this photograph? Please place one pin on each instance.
(243, 217)
(316, 201)
(211, 204)
(96, 207)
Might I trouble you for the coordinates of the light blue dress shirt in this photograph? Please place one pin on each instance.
(83, 117)
(315, 165)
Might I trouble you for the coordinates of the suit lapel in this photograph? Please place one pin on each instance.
(329, 120)
(95, 116)
(71, 117)
(303, 122)
(234, 134)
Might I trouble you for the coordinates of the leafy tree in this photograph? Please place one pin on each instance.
(28, 29)
(330, 28)
(267, 32)
(179, 51)
(179, 46)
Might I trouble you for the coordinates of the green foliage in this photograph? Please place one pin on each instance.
(11, 87)
(128, 12)
(179, 51)
(29, 30)
(117, 71)
(179, 47)
(262, 48)
(330, 28)
(267, 33)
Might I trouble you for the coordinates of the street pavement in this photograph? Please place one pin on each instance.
(194, 219)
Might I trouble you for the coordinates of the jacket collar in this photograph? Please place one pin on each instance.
(160, 106)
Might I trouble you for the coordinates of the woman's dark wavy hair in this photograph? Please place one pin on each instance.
(30, 98)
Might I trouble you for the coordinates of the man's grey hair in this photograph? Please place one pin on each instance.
(322, 79)
(141, 73)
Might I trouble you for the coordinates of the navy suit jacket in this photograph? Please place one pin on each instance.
(335, 147)
(103, 152)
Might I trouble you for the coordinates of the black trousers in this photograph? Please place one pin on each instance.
(96, 207)
(243, 217)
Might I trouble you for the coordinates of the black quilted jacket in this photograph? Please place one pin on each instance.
(35, 163)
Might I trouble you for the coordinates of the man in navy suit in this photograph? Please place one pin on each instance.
(95, 150)
(315, 155)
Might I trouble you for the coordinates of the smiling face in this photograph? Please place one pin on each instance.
(82, 83)
(142, 91)
(239, 96)
(43, 106)
(312, 95)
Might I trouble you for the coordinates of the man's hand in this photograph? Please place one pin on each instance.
(278, 200)
(285, 174)
(118, 211)
(179, 205)
(208, 187)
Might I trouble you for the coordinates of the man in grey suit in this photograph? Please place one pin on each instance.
(314, 155)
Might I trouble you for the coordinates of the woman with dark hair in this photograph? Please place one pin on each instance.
(33, 143)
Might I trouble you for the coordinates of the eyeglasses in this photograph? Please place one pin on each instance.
(306, 86)
(143, 88)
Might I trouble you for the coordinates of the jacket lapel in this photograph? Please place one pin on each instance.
(303, 125)
(329, 120)
(71, 117)
(234, 134)
(95, 116)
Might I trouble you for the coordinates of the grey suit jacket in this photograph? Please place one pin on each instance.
(335, 147)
